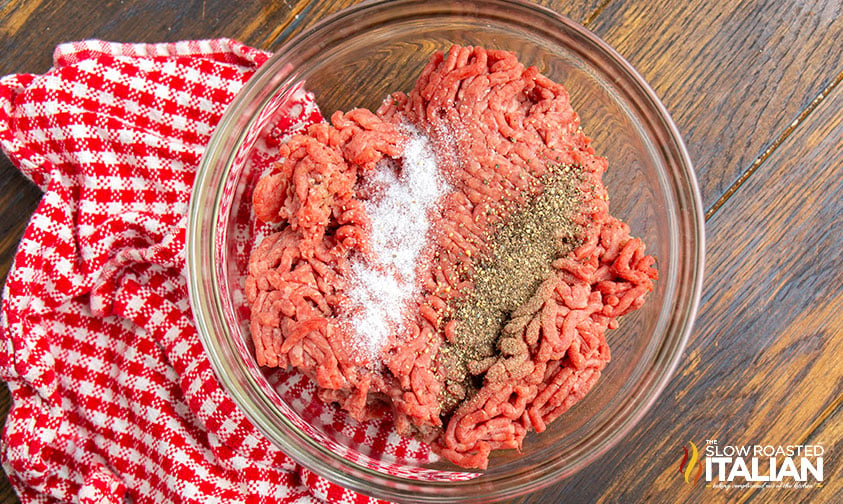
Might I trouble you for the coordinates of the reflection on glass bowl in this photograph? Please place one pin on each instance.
(356, 58)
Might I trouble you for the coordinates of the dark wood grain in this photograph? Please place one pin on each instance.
(763, 364)
(30, 29)
(734, 75)
(799, 375)
(754, 88)
(830, 433)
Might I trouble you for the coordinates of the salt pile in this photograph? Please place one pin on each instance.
(383, 284)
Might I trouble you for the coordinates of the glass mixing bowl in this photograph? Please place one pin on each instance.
(356, 58)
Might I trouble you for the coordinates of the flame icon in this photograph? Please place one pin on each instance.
(686, 466)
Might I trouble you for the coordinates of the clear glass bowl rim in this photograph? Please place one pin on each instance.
(205, 292)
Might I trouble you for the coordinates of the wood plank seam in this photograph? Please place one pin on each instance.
(806, 439)
(590, 19)
(772, 148)
(283, 33)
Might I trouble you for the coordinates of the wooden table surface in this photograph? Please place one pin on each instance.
(754, 88)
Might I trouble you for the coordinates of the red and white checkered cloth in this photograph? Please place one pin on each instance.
(114, 398)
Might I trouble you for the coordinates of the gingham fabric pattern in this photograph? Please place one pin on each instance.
(114, 399)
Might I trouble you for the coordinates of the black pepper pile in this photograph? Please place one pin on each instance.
(522, 249)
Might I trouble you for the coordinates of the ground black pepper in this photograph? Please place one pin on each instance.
(522, 248)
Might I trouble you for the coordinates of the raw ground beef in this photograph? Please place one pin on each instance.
(502, 133)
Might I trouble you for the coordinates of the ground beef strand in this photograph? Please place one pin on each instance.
(503, 134)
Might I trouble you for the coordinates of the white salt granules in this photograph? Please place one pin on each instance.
(382, 285)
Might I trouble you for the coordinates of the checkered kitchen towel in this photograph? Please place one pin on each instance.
(114, 398)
